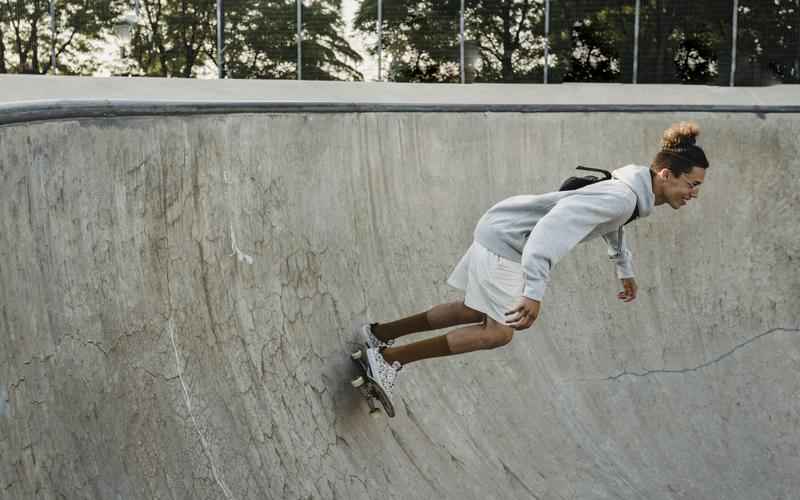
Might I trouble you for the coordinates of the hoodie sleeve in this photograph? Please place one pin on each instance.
(619, 253)
(564, 226)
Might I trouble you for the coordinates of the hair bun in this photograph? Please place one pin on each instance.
(680, 135)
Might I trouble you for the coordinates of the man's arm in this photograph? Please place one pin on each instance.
(619, 253)
(564, 226)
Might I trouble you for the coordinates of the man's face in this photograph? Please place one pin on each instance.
(679, 191)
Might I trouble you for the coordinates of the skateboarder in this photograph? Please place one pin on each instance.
(517, 243)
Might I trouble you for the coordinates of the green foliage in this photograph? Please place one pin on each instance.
(261, 41)
(26, 40)
(680, 41)
(419, 36)
(593, 56)
(173, 37)
(769, 42)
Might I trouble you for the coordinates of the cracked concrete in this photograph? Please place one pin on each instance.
(719, 358)
(178, 297)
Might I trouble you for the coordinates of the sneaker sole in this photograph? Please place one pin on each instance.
(371, 389)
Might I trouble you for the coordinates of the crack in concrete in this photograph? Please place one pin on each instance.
(97, 345)
(517, 479)
(139, 166)
(203, 442)
(696, 368)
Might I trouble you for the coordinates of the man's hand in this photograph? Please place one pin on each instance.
(628, 294)
(527, 311)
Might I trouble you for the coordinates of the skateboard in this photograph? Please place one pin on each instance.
(368, 387)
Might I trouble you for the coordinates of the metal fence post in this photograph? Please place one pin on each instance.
(299, 39)
(735, 37)
(380, 39)
(546, 37)
(461, 43)
(53, 35)
(636, 43)
(220, 40)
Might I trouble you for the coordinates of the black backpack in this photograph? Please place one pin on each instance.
(578, 182)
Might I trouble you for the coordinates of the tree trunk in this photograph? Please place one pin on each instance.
(508, 50)
(186, 71)
(796, 74)
(33, 47)
(2, 56)
(661, 42)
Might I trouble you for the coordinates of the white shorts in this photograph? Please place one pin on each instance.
(492, 284)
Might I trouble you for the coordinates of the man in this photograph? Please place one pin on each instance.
(517, 243)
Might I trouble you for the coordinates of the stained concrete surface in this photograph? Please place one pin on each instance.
(178, 297)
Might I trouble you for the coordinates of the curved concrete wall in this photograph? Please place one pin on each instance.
(178, 296)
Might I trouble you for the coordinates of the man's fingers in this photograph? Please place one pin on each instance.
(521, 325)
(520, 321)
(514, 320)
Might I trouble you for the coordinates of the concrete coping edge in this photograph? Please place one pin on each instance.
(47, 110)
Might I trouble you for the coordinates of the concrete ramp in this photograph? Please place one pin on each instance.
(179, 287)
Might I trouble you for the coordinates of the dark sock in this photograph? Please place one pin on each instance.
(405, 326)
(430, 348)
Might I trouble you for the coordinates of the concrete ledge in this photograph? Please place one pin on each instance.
(34, 98)
(22, 112)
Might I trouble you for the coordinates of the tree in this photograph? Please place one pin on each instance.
(26, 39)
(173, 37)
(179, 38)
(422, 38)
(418, 36)
(684, 42)
(679, 41)
(769, 42)
(261, 41)
(594, 57)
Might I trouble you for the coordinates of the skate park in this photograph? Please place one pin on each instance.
(183, 264)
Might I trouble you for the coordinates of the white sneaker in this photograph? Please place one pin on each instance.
(369, 338)
(383, 373)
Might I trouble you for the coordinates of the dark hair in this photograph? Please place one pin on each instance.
(679, 153)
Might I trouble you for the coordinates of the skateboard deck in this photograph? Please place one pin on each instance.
(368, 387)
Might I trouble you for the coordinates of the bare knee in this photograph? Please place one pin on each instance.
(497, 336)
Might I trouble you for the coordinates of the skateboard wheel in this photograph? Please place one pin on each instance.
(356, 355)
(357, 382)
(375, 413)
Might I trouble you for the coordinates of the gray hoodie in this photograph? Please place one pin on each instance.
(538, 230)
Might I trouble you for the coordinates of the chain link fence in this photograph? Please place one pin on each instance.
(714, 42)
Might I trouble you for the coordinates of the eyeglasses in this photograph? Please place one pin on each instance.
(693, 186)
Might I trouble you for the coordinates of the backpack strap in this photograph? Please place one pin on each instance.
(578, 182)
(606, 173)
(634, 216)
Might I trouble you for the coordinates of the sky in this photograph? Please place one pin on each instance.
(370, 65)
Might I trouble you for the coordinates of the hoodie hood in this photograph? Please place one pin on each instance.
(639, 180)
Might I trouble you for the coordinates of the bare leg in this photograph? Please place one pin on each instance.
(473, 338)
(440, 316)
(488, 335)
